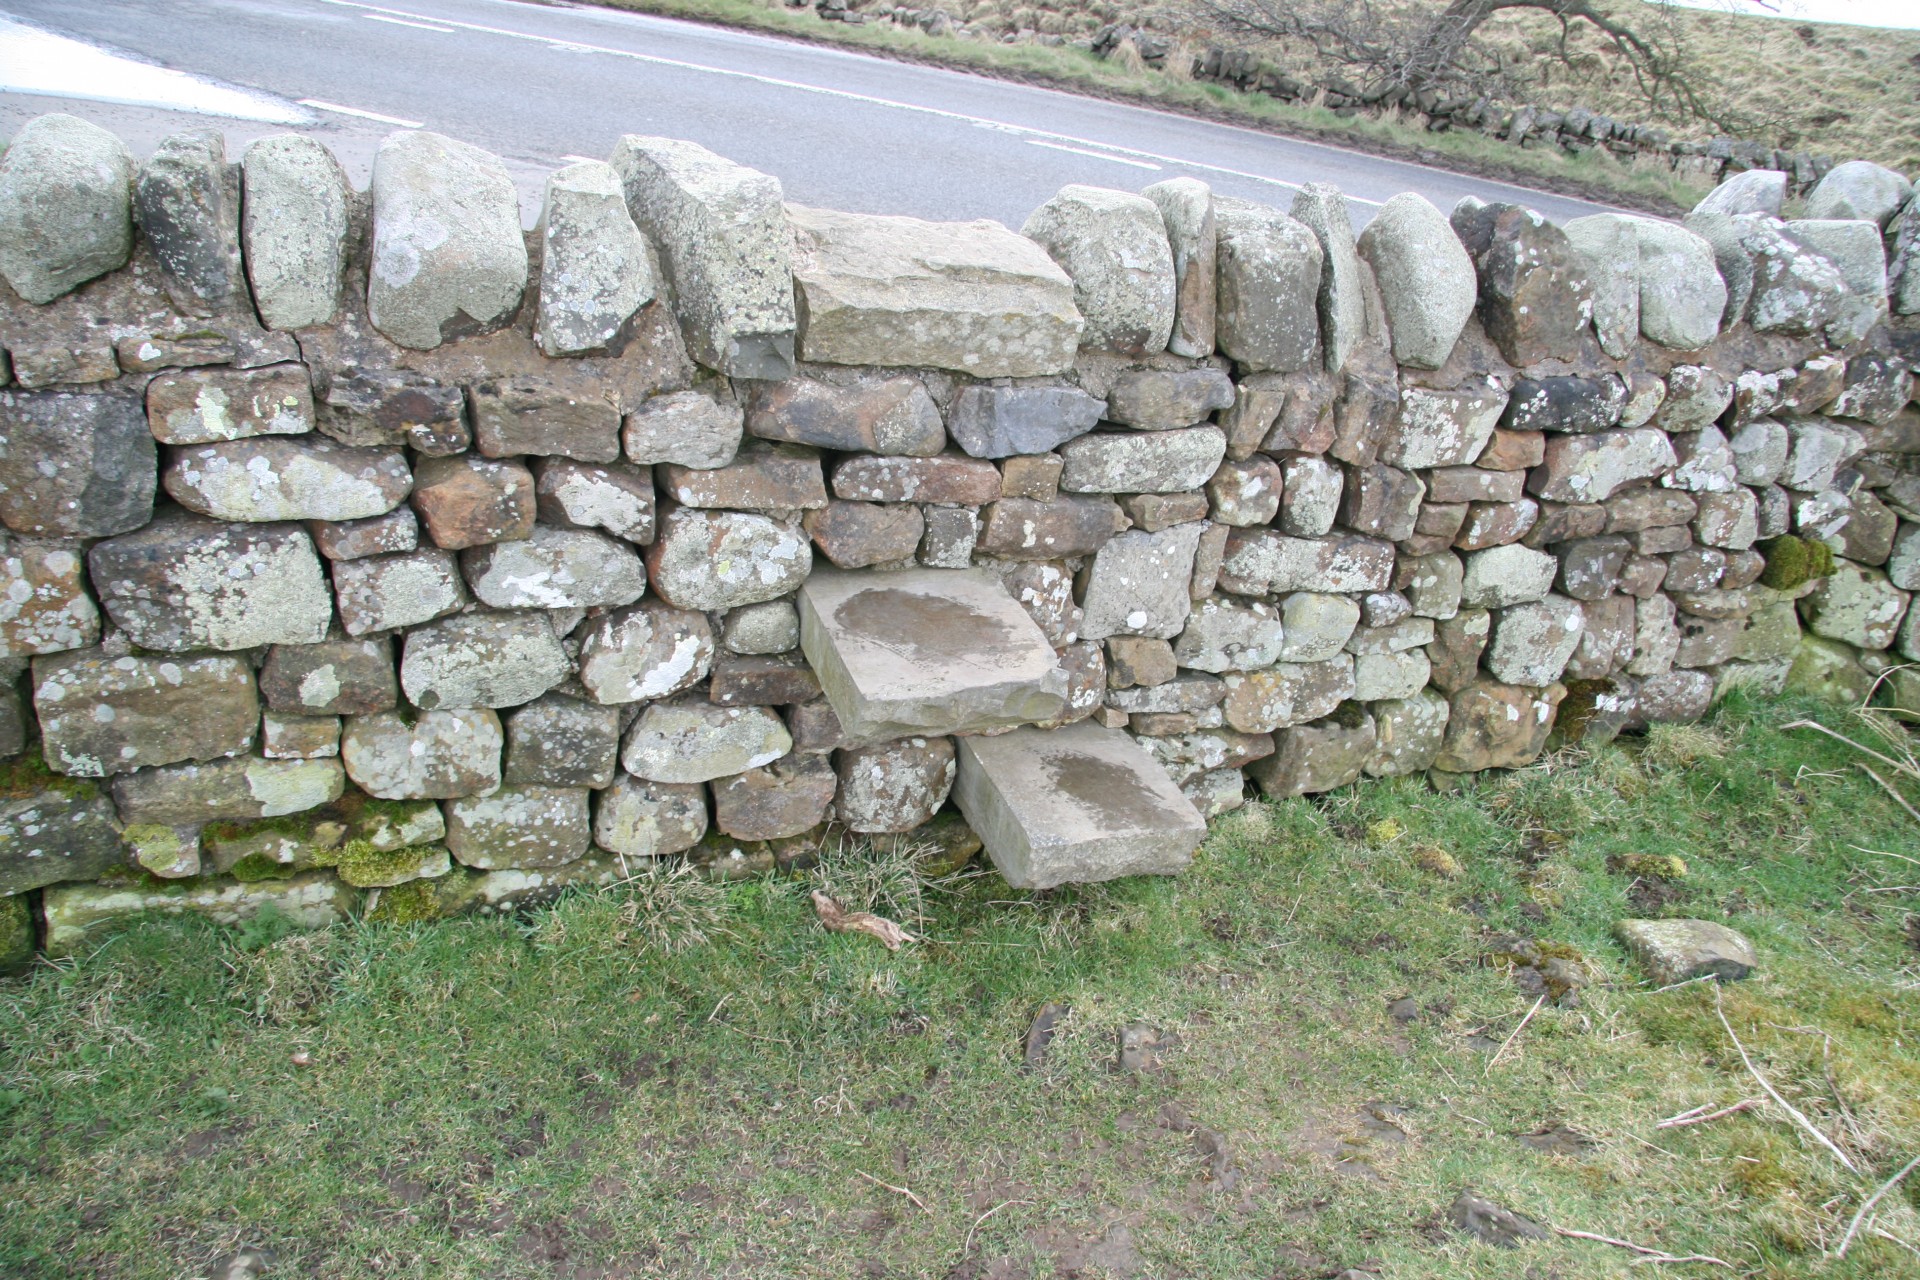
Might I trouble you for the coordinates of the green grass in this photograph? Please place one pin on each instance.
(1595, 174)
(595, 1091)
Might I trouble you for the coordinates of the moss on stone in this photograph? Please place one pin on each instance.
(417, 900)
(1349, 715)
(1650, 866)
(256, 867)
(1794, 561)
(405, 904)
(161, 849)
(292, 824)
(364, 865)
(1434, 860)
(1578, 707)
(16, 933)
(26, 776)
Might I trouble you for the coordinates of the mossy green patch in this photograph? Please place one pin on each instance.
(364, 865)
(419, 900)
(1653, 866)
(256, 867)
(16, 933)
(26, 776)
(1793, 561)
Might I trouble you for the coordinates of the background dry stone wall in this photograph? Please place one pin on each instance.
(365, 552)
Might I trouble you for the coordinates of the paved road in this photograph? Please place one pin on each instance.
(538, 82)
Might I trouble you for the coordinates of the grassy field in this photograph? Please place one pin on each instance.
(1851, 92)
(1323, 1020)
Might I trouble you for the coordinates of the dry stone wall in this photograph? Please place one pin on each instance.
(365, 552)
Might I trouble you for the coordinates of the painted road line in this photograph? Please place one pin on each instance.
(1064, 140)
(403, 22)
(579, 159)
(356, 112)
(1097, 155)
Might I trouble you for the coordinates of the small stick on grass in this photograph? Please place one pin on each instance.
(1773, 1093)
(1686, 1118)
(1650, 1254)
(967, 1248)
(1497, 1054)
(1861, 1213)
(898, 1190)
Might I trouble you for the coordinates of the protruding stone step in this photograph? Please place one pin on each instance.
(926, 651)
(1073, 805)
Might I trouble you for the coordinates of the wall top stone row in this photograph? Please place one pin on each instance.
(757, 284)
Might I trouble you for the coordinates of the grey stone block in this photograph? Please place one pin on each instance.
(1072, 805)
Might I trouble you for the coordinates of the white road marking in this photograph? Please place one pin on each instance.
(38, 62)
(337, 109)
(402, 22)
(1097, 155)
(1068, 140)
(579, 159)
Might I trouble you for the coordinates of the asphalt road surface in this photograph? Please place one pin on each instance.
(539, 84)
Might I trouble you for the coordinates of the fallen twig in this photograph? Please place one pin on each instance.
(1497, 1053)
(1686, 1118)
(1650, 1254)
(1788, 1107)
(838, 919)
(900, 1190)
(1861, 1213)
(967, 1248)
(1885, 786)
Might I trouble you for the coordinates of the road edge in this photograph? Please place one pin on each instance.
(1511, 175)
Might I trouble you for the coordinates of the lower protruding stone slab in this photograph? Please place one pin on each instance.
(1682, 950)
(1074, 805)
(926, 651)
(310, 901)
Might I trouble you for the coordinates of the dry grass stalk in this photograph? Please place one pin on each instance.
(1909, 766)
(967, 1248)
(900, 1190)
(1686, 1118)
(1646, 1253)
(1895, 736)
(1721, 1013)
(1867, 1204)
(1888, 788)
(1512, 1035)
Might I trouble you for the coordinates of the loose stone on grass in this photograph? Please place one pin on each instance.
(1681, 950)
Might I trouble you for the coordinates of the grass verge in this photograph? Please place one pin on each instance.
(1323, 1014)
(1594, 175)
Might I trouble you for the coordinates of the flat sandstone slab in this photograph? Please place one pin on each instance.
(1074, 805)
(926, 651)
(970, 296)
